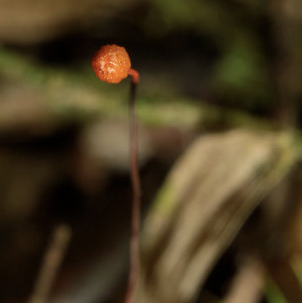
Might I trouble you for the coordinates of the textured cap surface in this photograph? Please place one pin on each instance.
(111, 63)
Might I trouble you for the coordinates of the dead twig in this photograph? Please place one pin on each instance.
(247, 285)
(51, 263)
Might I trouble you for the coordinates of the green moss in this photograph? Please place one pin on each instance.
(78, 94)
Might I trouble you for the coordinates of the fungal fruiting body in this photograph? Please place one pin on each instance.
(111, 63)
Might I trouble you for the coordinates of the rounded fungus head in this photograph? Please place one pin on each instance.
(111, 63)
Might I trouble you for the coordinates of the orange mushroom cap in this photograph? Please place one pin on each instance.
(111, 63)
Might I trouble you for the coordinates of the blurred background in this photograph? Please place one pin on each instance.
(226, 74)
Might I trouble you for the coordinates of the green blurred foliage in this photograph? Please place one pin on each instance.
(240, 73)
(243, 32)
(273, 294)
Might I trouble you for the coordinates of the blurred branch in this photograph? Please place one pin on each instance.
(248, 284)
(283, 19)
(61, 95)
(206, 199)
(285, 278)
(51, 263)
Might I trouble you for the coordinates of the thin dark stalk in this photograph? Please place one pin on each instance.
(135, 180)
